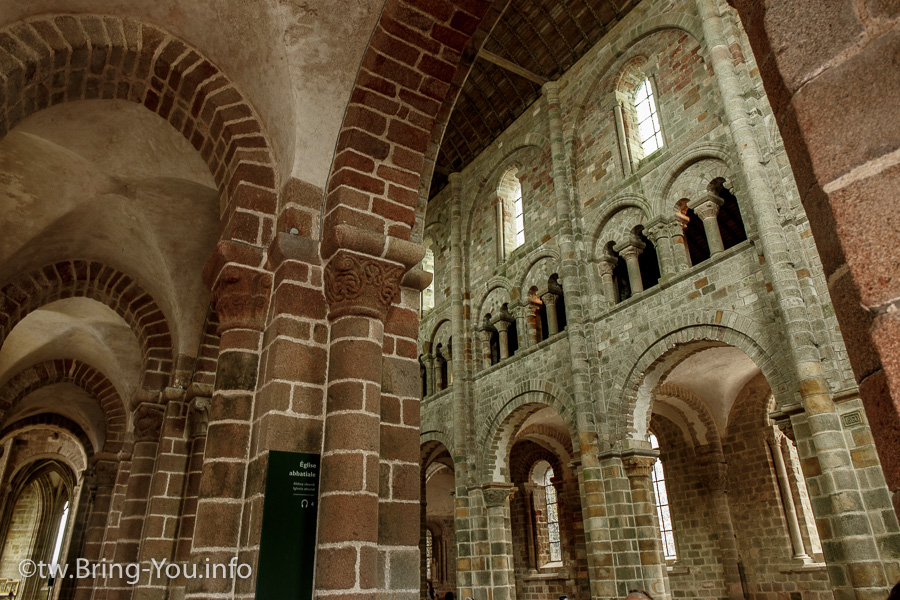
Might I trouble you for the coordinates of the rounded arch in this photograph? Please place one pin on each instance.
(494, 283)
(433, 443)
(506, 162)
(536, 276)
(695, 413)
(83, 375)
(693, 181)
(105, 284)
(57, 423)
(436, 329)
(613, 53)
(53, 59)
(620, 202)
(516, 405)
(687, 333)
(537, 255)
(663, 187)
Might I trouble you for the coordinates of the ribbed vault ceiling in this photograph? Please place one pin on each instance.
(533, 41)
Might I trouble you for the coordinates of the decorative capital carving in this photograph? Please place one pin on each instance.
(707, 207)
(715, 476)
(102, 473)
(496, 494)
(630, 249)
(198, 416)
(148, 420)
(638, 465)
(606, 265)
(550, 298)
(241, 297)
(360, 285)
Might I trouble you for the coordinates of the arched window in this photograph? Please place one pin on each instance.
(63, 521)
(511, 213)
(428, 266)
(648, 261)
(695, 237)
(552, 517)
(731, 225)
(662, 506)
(649, 131)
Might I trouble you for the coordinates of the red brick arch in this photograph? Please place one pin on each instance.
(416, 62)
(100, 282)
(77, 373)
(53, 421)
(49, 60)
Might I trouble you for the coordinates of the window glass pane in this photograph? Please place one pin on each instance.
(429, 553)
(648, 120)
(552, 517)
(666, 529)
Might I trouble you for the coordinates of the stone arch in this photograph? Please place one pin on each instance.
(537, 275)
(688, 333)
(57, 422)
(662, 188)
(497, 291)
(507, 161)
(77, 373)
(710, 432)
(548, 253)
(107, 285)
(613, 53)
(516, 405)
(620, 202)
(693, 180)
(619, 227)
(430, 443)
(399, 108)
(437, 333)
(52, 59)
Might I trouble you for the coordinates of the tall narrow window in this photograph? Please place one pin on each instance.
(429, 553)
(60, 533)
(662, 506)
(648, 120)
(519, 213)
(552, 517)
(428, 293)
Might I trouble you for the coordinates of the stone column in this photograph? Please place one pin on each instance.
(714, 477)
(499, 529)
(99, 480)
(583, 359)
(526, 494)
(680, 252)
(502, 322)
(707, 208)
(198, 422)
(630, 251)
(658, 232)
(606, 267)
(439, 385)
(549, 299)
(787, 500)
(447, 355)
(428, 359)
(531, 317)
(241, 289)
(522, 326)
(859, 564)
(638, 467)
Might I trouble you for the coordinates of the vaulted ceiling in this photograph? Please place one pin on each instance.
(533, 42)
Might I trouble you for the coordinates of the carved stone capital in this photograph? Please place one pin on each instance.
(606, 265)
(360, 285)
(496, 494)
(638, 465)
(707, 207)
(148, 420)
(630, 249)
(715, 476)
(549, 298)
(241, 288)
(198, 416)
(102, 473)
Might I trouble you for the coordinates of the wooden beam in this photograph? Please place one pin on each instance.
(511, 67)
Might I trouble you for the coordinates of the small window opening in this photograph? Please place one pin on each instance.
(648, 262)
(695, 238)
(57, 548)
(647, 118)
(428, 293)
(662, 505)
(429, 553)
(552, 517)
(731, 225)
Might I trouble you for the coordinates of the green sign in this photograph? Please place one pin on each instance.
(287, 548)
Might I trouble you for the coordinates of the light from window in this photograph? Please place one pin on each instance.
(552, 517)
(60, 533)
(519, 217)
(662, 506)
(428, 293)
(648, 121)
(429, 553)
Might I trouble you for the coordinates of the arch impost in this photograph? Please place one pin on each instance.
(148, 421)
(496, 493)
(638, 462)
(241, 289)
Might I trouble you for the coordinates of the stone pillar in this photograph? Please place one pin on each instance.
(526, 496)
(624, 147)
(447, 355)
(583, 359)
(630, 251)
(638, 467)
(714, 477)
(439, 385)
(502, 322)
(522, 326)
(707, 208)
(240, 295)
(499, 562)
(99, 480)
(530, 312)
(606, 267)
(787, 499)
(680, 251)
(658, 232)
(428, 359)
(549, 299)
(198, 422)
(859, 564)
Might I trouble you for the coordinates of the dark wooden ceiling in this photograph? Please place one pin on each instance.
(534, 40)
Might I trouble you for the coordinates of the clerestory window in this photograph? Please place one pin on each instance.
(552, 517)
(648, 121)
(519, 213)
